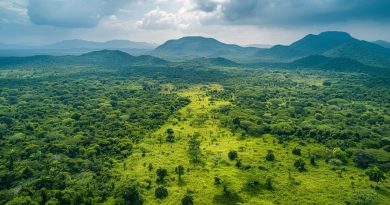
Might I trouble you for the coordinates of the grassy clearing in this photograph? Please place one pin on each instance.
(321, 184)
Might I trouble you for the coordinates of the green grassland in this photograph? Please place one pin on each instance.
(320, 184)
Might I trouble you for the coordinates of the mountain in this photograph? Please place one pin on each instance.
(384, 44)
(106, 58)
(331, 44)
(114, 44)
(196, 46)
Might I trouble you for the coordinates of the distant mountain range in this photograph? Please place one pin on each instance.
(329, 44)
(328, 50)
(75, 47)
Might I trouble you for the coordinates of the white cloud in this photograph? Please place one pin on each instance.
(158, 19)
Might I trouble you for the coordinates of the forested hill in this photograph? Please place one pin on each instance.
(98, 58)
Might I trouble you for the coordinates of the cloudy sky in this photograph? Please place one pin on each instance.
(234, 21)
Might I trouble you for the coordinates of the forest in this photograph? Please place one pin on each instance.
(191, 133)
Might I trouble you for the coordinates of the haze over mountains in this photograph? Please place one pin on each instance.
(75, 47)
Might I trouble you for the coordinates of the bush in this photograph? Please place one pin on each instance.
(270, 156)
(297, 151)
(128, 194)
(232, 155)
(375, 174)
(300, 165)
(161, 192)
(362, 158)
(187, 200)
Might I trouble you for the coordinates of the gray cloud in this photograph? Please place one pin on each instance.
(300, 12)
(206, 5)
(71, 13)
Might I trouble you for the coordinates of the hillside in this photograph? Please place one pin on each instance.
(98, 58)
(384, 44)
(196, 46)
(331, 44)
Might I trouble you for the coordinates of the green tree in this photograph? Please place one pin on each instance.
(187, 200)
(194, 149)
(375, 174)
(180, 171)
(300, 165)
(270, 156)
(161, 192)
(232, 155)
(161, 174)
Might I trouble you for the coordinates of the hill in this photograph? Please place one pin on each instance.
(335, 64)
(331, 44)
(196, 46)
(97, 58)
(384, 44)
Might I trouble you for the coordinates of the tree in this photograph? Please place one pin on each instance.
(375, 174)
(297, 151)
(232, 155)
(236, 121)
(187, 200)
(170, 131)
(128, 194)
(180, 171)
(362, 158)
(161, 192)
(300, 164)
(270, 156)
(194, 149)
(170, 138)
(161, 173)
(268, 183)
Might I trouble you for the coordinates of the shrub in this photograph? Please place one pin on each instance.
(161, 192)
(375, 174)
(270, 156)
(300, 165)
(297, 151)
(187, 200)
(232, 155)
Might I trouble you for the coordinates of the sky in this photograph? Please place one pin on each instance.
(240, 22)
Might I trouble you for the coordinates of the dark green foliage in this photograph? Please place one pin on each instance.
(375, 174)
(232, 155)
(161, 192)
(188, 199)
(180, 171)
(268, 183)
(270, 156)
(362, 158)
(299, 164)
(128, 194)
(161, 174)
(297, 151)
